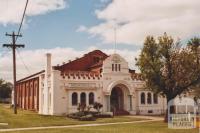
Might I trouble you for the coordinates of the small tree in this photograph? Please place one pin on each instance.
(97, 106)
(168, 68)
(5, 89)
(81, 107)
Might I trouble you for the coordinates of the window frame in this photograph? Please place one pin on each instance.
(142, 98)
(149, 98)
(91, 98)
(74, 101)
(155, 98)
(83, 98)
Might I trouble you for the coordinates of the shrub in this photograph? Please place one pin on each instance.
(87, 118)
(97, 106)
(103, 115)
(76, 115)
(81, 107)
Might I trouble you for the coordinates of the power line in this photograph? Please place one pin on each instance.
(14, 46)
(20, 57)
(20, 26)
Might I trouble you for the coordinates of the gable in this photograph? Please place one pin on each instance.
(86, 63)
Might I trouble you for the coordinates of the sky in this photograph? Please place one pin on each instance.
(71, 28)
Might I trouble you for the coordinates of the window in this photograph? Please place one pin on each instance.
(155, 98)
(142, 98)
(83, 98)
(172, 109)
(74, 99)
(91, 98)
(115, 67)
(149, 98)
(119, 67)
(112, 67)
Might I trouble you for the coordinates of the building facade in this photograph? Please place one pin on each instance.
(95, 77)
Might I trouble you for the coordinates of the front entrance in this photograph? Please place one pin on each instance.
(116, 99)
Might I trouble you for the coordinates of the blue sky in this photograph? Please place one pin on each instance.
(58, 28)
(70, 28)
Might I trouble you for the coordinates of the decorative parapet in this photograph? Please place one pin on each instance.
(81, 75)
(137, 76)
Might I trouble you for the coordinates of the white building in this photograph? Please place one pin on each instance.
(95, 77)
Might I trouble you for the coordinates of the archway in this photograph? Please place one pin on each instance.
(117, 99)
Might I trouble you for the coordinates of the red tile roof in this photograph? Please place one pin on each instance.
(85, 63)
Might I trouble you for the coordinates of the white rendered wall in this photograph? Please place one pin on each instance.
(156, 108)
(59, 103)
(59, 96)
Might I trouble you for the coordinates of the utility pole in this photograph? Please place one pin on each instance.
(13, 46)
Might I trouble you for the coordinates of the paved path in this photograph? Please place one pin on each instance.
(74, 126)
(3, 124)
(159, 118)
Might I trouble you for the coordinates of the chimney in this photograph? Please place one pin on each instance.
(47, 85)
(48, 64)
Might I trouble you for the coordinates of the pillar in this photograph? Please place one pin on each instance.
(108, 102)
(47, 84)
(33, 95)
(131, 106)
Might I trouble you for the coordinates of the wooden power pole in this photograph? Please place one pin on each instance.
(13, 46)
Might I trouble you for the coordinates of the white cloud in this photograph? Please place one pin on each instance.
(81, 28)
(11, 10)
(35, 59)
(138, 18)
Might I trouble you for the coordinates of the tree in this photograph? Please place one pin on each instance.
(5, 89)
(167, 67)
(194, 45)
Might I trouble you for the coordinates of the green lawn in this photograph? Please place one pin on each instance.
(155, 127)
(32, 119)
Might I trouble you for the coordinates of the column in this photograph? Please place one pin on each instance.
(108, 102)
(24, 88)
(38, 85)
(131, 106)
(87, 98)
(79, 97)
(28, 96)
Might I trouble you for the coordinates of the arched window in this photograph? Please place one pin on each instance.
(74, 99)
(112, 67)
(91, 98)
(149, 98)
(116, 67)
(155, 98)
(83, 98)
(142, 98)
(119, 67)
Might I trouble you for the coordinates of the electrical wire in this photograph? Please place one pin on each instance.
(23, 61)
(20, 26)
(18, 33)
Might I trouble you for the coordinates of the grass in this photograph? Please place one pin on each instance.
(32, 119)
(155, 127)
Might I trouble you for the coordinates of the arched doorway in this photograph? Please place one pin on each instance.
(117, 99)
